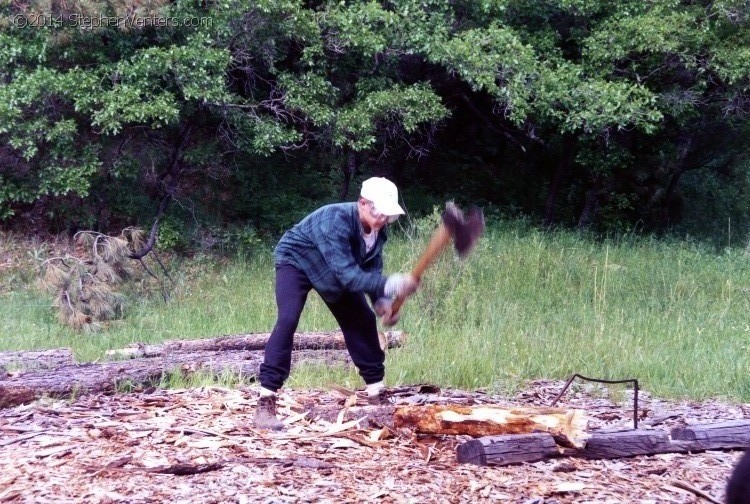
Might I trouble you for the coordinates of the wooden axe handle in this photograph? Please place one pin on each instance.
(439, 241)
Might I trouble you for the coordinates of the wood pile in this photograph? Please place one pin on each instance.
(515, 435)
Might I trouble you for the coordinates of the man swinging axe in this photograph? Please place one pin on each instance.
(336, 250)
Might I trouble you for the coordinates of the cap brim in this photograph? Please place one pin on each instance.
(389, 209)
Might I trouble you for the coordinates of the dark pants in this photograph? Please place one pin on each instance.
(352, 312)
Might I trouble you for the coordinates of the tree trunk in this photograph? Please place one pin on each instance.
(348, 168)
(106, 377)
(563, 167)
(302, 341)
(590, 207)
(566, 425)
(42, 359)
(678, 168)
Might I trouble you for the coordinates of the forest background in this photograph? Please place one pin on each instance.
(612, 116)
(215, 125)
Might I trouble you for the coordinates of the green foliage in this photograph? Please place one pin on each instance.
(88, 110)
(492, 59)
(172, 235)
(594, 105)
(357, 125)
(719, 211)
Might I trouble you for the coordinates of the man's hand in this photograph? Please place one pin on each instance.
(400, 286)
(384, 310)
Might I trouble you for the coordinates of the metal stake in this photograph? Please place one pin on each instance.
(632, 380)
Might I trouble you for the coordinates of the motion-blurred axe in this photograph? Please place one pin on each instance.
(462, 229)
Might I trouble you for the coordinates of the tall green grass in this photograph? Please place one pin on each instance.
(527, 304)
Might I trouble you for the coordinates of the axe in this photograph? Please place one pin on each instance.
(463, 229)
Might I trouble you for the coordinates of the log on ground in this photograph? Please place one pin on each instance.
(715, 436)
(37, 359)
(504, 450)
(507, 449)
(566, 425)
(107, 377)
(250, 342)
(628, 443)
(700, 437)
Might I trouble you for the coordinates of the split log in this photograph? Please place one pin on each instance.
(566, 425)
(302, 341)
(504, 450)
(41, 359)
(106, 377)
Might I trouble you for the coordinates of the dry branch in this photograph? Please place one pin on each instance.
(302, 341)
(565, 424)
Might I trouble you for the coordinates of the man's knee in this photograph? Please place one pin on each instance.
(287, 323)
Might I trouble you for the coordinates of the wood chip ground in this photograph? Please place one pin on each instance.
(198, 446)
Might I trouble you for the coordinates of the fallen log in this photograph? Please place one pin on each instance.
(716, 436)
(38, 359)
(507, 449)
(257, 341)
(108, 377)
(566, 425)
(504, 450)
(629, 443)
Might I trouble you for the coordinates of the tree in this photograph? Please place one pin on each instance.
(587, 113)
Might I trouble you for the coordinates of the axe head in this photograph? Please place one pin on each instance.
(464, 228)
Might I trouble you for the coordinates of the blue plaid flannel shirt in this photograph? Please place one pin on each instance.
(328, 247)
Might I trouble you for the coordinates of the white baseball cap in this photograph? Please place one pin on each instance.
(383, 194)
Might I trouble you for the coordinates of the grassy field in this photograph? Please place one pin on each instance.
(527, 304)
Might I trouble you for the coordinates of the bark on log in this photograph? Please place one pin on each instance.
(41, 359)
(504, 450)
(630, 443)
(302, 341)
(717, 436)
(74, 380)
(567, 425)
(508, 449)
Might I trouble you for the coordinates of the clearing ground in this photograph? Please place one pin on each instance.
(198, 446)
